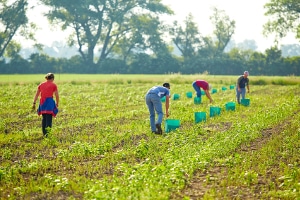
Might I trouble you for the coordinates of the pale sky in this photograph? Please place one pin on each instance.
(248, 15)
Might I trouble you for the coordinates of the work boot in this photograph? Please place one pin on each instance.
(159, 130)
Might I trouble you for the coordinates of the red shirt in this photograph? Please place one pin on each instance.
(47, 89)
(203, 84)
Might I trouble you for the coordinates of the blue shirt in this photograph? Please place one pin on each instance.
(160, 91)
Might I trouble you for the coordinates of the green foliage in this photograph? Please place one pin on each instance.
(101, 145)
(282, 82)
(12, 18)
(116, 82)
(259, 82)
(285, 15)
(224, 29)
(187, 38)
(115, 26)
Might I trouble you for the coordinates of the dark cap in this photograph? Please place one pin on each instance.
(167, 85)
(49, 76)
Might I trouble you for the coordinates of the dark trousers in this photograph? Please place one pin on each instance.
(46, 123)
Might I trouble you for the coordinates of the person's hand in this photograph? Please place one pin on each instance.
(33, 107)
(239, 89)
(248, 91)
(57, 105)
(211, 101)
(167, 114)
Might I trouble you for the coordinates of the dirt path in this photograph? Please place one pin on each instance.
(214, 178)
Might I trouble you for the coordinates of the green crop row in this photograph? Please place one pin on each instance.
(101, 146)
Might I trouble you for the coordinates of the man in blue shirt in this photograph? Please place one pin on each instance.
(153, 101)
(242, 82)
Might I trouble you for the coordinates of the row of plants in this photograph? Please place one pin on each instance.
(101, 146)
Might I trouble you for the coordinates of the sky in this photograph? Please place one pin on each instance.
(248, 15)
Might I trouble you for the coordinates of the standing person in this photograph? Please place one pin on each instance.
(240, 86)
(198, 84)
(47, 107)
(153, 102)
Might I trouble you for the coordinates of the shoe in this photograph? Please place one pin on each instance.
(157, 133)
(159, 130)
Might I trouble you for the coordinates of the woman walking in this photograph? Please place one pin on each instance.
(47, 106)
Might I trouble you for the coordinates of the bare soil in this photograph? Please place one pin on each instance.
(213, 178)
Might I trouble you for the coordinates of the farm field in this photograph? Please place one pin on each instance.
(101, 145)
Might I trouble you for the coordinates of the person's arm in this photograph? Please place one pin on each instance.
(167, 105)
(248, 87)
(208, 95)
(35, 98)
(56, 97)
(238, 83)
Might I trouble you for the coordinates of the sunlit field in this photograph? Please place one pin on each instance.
(101, 145)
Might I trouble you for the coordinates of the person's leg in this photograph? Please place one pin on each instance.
(152, 112)
(238, 94)
(158, 108)
(48, 124)
(243, 92)
(44, 124)
(197, 89)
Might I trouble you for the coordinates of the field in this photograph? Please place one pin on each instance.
(101, 145)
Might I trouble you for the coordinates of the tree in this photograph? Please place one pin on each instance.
(42, 63)
(293, 64)
(12, 18)
(274, 61)
(257, 63)
(12, 50)
(211, 56)
(146, 36)
(186, 38)
(224, 29)
(285, 18)
(99, 23)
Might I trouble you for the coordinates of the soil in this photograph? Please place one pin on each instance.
(211, 178)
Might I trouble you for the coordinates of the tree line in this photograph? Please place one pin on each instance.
(129, 37)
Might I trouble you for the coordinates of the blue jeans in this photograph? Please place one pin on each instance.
(197, 89)
(154, 104)
(238, 94)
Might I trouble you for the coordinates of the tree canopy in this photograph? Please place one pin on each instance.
(12, 18)
(115, 36)
(103, 24)
(285, 18)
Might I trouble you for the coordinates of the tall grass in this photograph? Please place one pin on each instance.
(101, 146)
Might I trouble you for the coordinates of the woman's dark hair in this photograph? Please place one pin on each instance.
(167, 85)
(49, 76)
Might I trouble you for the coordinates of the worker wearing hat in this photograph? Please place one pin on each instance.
(242, 83)
(153, 102)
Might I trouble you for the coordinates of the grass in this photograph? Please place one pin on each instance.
(138, 78)
(101, 146)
